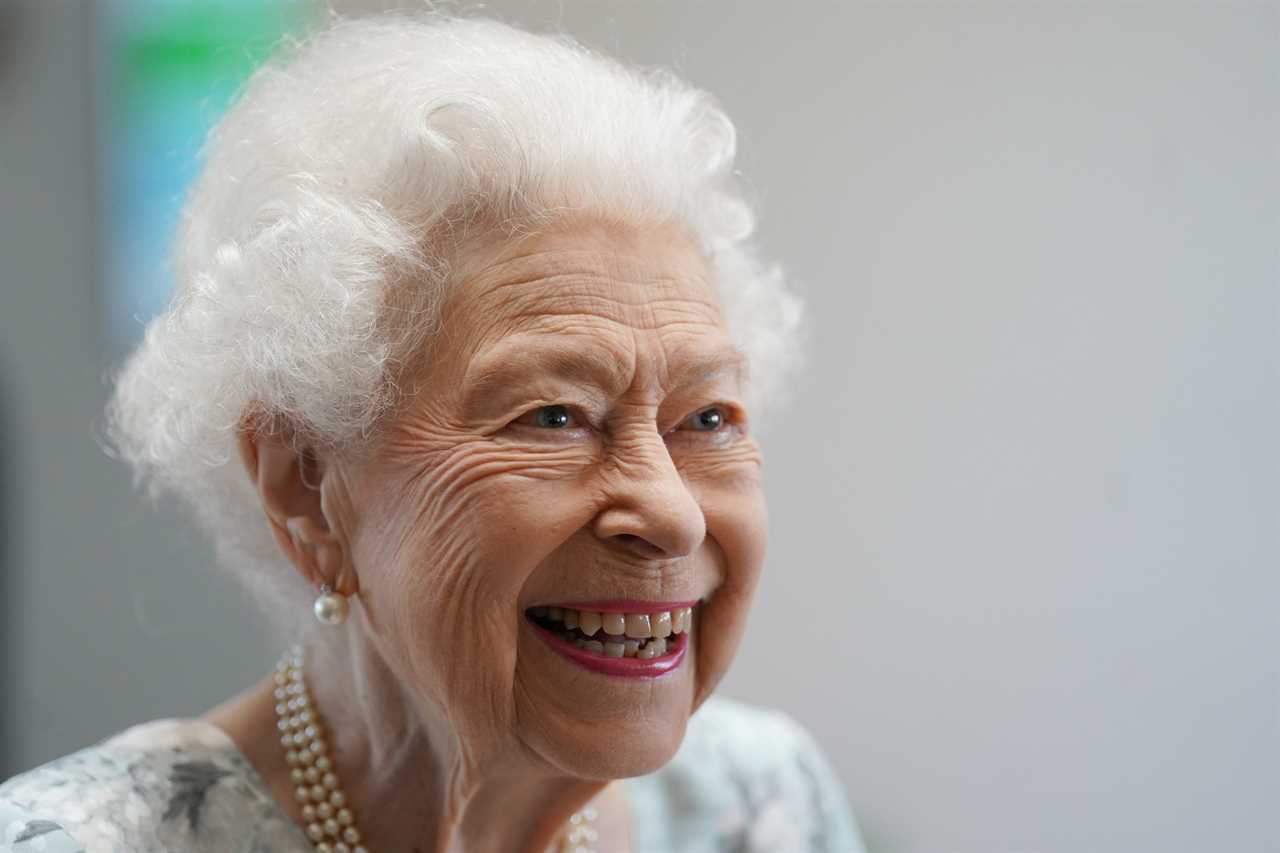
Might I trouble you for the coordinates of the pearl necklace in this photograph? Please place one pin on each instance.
(331, 824)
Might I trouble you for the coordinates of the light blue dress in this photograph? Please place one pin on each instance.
(746, 779)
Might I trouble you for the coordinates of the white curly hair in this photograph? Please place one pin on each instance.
(335, 196)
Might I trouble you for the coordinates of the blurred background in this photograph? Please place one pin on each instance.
(1024, 575)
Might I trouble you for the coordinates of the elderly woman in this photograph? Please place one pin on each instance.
(458, 376)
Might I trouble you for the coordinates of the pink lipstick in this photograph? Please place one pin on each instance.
(627, 638)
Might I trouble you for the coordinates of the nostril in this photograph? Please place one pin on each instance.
(639, 545)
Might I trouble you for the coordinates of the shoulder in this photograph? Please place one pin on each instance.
(750, 778)
(166, 785)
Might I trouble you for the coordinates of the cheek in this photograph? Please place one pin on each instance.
(447, 548)
(730, 491)
(737, 521)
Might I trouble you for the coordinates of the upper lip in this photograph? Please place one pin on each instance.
(621, 605)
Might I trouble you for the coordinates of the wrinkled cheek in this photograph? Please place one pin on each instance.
(445, 638)
(417, 574)
(448, 581)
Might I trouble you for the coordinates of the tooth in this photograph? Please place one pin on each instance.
(555, 613)
(539, 612)
(614, 650)
(659, 645)
(614, 623)
(630, 647)
(660, 625)
(580, 643)
(677, 620)
(637, 625)
(571, 619)
(646, 651)
(588, 622)
(593, 646)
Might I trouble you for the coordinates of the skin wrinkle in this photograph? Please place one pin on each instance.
(454, 727)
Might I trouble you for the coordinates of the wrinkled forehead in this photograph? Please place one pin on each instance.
(603, 292)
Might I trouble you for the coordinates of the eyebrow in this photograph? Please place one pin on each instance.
(518, 359)
(705, 366)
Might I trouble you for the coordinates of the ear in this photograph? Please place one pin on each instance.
(287, 478)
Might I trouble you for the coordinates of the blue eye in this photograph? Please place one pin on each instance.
(707, 420)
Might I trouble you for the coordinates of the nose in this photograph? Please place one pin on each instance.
(650, 512)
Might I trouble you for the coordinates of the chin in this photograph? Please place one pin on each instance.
(624, 751)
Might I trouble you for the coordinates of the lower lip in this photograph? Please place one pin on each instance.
(626, 667)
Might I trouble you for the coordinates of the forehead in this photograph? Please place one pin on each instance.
(626, 294)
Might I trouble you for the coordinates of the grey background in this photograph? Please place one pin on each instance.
(1023, 574)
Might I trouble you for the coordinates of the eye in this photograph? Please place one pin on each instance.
(548, 417)
(709, 419)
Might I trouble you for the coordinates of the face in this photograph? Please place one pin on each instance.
(579, 436)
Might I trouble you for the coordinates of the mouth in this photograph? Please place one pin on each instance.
(618, 637)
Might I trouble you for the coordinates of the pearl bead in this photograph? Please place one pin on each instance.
(331, 609)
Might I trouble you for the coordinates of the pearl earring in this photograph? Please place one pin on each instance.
(330, 607)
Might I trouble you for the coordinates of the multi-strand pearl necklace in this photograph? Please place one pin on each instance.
(331, 824)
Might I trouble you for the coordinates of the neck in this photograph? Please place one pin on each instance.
(412, 785)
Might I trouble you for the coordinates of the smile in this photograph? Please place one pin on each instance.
(616, 642)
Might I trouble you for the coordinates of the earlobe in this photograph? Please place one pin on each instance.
(321, 556)
(303, 539)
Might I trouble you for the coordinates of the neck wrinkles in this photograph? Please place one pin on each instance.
(407, 776)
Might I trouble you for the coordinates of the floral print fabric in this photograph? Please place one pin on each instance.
(745, 780)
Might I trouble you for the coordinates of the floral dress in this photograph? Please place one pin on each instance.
(746, 779)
